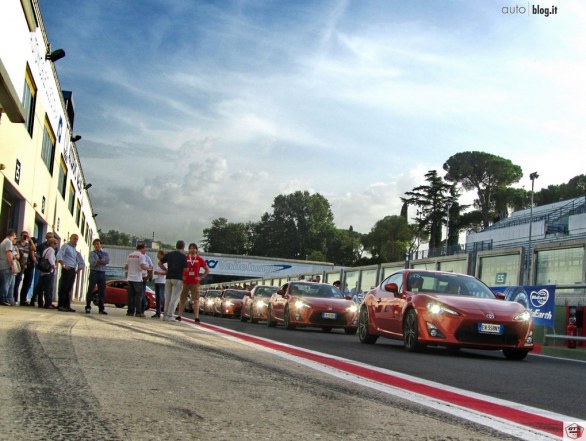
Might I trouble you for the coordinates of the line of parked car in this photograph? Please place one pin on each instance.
(421, 308)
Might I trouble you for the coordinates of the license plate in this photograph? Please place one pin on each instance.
(490, 328)
(328, 315)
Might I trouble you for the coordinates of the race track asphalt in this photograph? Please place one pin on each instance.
(74, 376)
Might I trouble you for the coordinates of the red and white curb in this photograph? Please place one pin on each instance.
(504, 416)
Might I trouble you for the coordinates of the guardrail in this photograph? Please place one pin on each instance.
(564, 337)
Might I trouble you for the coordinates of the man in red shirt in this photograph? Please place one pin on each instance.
(191, 280)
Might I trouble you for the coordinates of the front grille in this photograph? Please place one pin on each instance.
(469, 334)
(316, 318)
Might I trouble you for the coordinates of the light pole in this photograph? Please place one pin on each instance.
(533, 176)
(449, 206)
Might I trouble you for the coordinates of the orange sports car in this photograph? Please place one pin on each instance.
(229, 303)
(445, 309)
(207, 301)
(255, 302)
(312, 304)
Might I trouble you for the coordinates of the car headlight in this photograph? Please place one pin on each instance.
(229, 303)
(438, 308)
(352, 308)
(525, 316)
(260, 304)
(300, 305)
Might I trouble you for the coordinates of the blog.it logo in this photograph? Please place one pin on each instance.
(574, 430)
(530, 9)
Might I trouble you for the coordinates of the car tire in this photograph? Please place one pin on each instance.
(145, 304)
(411, 332)
(363, 334)
(350, 331)
(119, 305)
(95, 299)
(252, 319)
(270, 321)
(287, 319)
(515, 354)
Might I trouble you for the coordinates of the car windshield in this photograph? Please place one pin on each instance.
(314, 290)
(234, 294)
(448, 284)
(265, 291)
(211, 294)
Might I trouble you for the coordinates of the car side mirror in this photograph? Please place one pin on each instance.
(500, 296)
(392, 287)
(248, 294)
(347, 297)
(281, 292)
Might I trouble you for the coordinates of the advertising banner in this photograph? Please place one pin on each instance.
(540, 300)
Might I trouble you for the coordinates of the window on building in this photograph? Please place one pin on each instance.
(560, 266)
(78, 213)
(29, 99)
(62, 184)
(500, 269)
(83, 225)
(48, 149)
(71, 203)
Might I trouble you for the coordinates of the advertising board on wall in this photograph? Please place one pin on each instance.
(539, 299)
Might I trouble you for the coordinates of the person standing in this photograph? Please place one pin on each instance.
(191, 281)
(176, 263)
(7, 269)
(44, 289)
(40, 250)
(27, 258)
(159, 276)
(98, 261)
(70, 263)
(136, 263)
(146, 277)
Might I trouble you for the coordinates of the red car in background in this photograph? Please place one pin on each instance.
(207, 302)
(444, 309)
(255, 302)
(229, 303)
(116, 293)
(312, 304)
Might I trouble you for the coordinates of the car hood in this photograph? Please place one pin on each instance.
(478, 305)
(317, 302)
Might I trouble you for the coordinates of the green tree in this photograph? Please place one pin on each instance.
(483, 172)
(432, 202)
(344, 247)
(574, 188)
(114, 237)
(388, 240)
(300, 226)
(227, 237)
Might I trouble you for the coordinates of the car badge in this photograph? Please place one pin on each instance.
(490, 316)
(330, 308)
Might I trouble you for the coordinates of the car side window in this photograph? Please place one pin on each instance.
(395, 278)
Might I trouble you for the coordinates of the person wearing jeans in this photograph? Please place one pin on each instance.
(159, 277)
(136, 263)
(7, 270)
(98, 261)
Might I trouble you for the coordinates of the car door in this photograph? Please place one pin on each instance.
(387, 305)
(279, 303)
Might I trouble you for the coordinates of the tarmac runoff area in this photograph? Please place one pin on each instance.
(74, 376)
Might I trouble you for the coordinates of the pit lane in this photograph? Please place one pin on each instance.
(552, 384)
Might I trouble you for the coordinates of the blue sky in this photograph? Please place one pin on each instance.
(194, 110)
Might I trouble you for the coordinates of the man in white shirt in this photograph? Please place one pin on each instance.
(136, 263)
